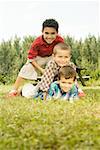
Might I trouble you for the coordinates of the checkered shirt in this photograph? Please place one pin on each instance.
(51, 71)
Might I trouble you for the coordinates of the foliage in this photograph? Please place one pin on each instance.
(53, 125)
(86, 54)
(96, 74)
(13, 55)
(7, 59)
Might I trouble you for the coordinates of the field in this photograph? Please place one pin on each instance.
(27, 124)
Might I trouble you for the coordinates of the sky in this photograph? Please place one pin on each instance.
(76, 18)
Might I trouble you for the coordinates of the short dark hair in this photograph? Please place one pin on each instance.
(67, 72)
(50, 23)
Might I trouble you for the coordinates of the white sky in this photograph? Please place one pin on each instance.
(77, 18)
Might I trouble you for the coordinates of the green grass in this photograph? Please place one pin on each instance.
(27, 124)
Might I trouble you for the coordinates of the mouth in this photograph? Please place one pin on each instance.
(49, 39)
(65, 89)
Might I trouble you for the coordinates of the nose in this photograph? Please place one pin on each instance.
(63, 58)
(49, 36)
(69, 85)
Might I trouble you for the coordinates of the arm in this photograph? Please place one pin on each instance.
(45, 96)
(74, 93)
(33, 53)
(37, 66)
(50, 71)
(54, 91)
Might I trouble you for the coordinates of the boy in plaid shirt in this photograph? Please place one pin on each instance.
(61, 57)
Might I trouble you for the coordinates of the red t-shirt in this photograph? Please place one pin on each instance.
(40, 48)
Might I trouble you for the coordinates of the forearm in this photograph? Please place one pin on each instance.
(45, 96)
(37, 66)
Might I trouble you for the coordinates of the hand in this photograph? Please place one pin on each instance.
(42, 70)
(45, 96)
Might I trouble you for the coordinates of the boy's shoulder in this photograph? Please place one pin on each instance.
(74, 89)
(54, 86)
(38, 40)
(52, 64)
(59, 38)
(72, 65)
(55, 83)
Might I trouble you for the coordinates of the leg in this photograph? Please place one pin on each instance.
(26, 72)
(18, 82)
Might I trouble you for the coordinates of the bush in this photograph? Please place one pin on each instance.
(13, 55)
(96, 74)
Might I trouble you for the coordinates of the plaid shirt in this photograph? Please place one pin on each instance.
(51, 71)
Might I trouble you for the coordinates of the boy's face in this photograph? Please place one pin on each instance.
(62, 57)
(49, 34)
(66, 84)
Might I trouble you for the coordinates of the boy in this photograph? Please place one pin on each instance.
(65, 88)
(39, 54)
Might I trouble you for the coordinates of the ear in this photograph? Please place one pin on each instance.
(58, 81)
(70, 56)
(53, 55)
(42, 30)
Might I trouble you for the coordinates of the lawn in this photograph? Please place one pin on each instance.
(27, 124)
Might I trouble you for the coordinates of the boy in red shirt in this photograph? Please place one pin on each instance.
(39, 54)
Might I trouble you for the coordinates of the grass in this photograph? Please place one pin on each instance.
(27, 124)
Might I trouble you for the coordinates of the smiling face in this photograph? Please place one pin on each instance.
(66, 84)
(62, 57)
(49, 34)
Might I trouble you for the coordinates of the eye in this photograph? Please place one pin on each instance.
(66, 57)
(46, 33)
(60, 56)
(63, 82)
(53, 33)
(69, 83)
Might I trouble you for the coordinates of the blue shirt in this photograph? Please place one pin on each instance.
(56, 92)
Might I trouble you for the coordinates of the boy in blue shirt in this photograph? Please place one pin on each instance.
(65, 88)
